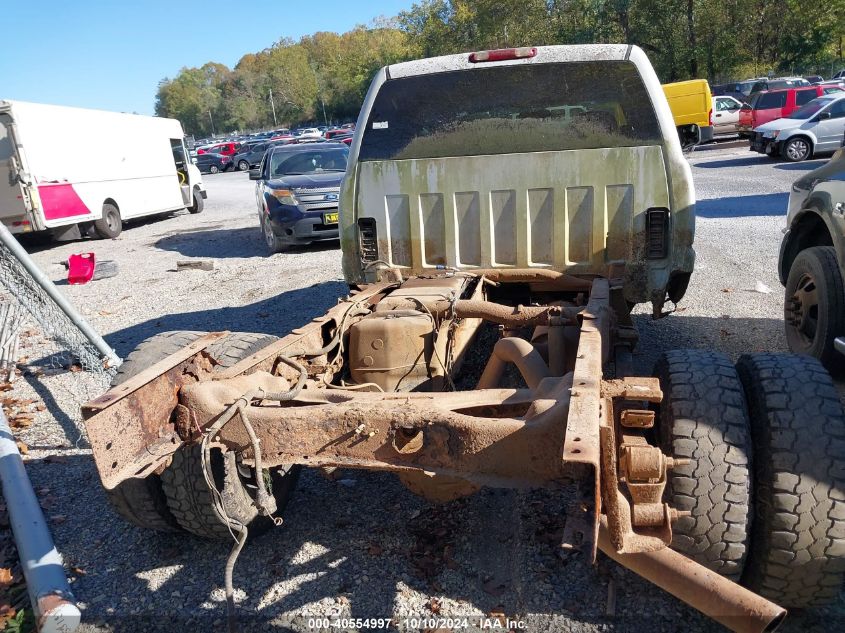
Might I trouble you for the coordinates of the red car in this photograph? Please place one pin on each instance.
(227, 149)
(769, 105)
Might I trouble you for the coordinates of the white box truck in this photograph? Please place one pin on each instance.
(73, 171)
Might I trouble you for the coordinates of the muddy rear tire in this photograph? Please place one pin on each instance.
(814, 306)
(703, 418)
(190, 499)
(797, 553)
(143, 502)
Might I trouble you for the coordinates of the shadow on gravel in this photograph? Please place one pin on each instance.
(216, 243)
(807, 165)
(733, 336)
(73, 434)
(225, 243)
(42, 241)
(747, 161)
(277, 315)
(770, 204)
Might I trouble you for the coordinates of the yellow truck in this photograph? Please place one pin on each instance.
(692, 109)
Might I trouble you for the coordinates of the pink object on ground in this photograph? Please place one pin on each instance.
(80, 268)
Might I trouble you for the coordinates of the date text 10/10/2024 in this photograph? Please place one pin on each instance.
(478, 623)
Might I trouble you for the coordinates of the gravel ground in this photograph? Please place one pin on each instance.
(362, 546)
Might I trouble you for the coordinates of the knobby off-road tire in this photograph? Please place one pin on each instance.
(814, 306)
(703, 418)
(797, 554)
(191, 500)
(143, 501)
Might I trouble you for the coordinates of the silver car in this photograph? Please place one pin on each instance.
(815, 128)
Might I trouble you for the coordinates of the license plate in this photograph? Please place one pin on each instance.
(330, 218)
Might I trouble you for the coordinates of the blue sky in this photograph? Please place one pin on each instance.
(111, 54)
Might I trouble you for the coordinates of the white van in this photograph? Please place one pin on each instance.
(74, 171)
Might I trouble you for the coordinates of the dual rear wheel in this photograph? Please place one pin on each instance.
(180, 498)
(766, 478)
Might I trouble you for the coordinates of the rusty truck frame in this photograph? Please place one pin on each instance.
(383, 380)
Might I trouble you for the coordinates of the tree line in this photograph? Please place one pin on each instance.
(322, 78)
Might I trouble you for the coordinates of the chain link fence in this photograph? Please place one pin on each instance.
(33, 300)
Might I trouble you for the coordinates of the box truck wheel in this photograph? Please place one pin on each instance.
(198, 204)
(110, 225)
(797, 551)
(703, 418)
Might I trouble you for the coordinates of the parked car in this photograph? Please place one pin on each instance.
(839, 75)
(91, 181)
(814, 79)
(212, 162)
(249, 155)
(778, 83)
(739, 90)
(297, 192)
(227, 149)
(770, 105)
(816, 128)
(309, 132)
(726, 114)
(811, 265)
(833, 82)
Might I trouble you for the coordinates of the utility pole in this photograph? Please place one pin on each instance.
(212, 122)
(273, 105)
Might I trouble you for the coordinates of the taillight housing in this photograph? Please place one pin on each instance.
(710, 116)
(368, 239)
(502, 54)
(657, 233)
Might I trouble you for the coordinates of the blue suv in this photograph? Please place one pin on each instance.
(297, 192)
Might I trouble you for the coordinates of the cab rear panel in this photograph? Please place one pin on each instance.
(563, 162)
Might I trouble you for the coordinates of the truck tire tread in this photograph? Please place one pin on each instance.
(797, 554)
(703, 418)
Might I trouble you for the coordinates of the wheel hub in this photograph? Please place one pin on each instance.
(268, 233)
(797, 150)
(802, 309)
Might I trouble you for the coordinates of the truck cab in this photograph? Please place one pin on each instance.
(582, 172)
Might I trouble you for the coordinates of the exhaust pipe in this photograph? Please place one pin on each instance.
(715, 596)
(519, 352)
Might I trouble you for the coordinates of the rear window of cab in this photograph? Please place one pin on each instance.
(511, 109)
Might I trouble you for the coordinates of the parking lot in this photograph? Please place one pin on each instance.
(360, 545)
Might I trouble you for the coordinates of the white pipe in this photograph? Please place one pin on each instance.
(49, 593)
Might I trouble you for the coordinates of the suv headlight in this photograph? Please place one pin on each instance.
(285, 196)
